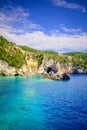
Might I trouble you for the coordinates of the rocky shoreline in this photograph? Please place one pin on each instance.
(18, 60)
(56, 76)
(49, 69)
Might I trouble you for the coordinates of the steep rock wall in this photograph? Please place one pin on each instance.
(60, 67)
(30, 67)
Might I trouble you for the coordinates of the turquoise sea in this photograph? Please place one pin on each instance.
(33, 103)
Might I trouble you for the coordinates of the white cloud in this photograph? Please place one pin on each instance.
(16, 26)
(17, 19)
(40, 40)
(65, 4)
(70, 30)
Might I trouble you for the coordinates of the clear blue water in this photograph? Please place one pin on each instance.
(32, 103)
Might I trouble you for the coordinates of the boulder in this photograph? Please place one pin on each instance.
(56, 76)
(6, 70)
(65, 76)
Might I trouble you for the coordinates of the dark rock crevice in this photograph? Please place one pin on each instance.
(51, 72)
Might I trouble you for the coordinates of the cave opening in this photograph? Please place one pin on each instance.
(49, 69)
(16, 74)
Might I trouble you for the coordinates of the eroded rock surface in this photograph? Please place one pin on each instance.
(49, 69)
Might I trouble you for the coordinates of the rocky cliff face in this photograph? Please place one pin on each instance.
(30, 67)
(23, 60)
(7, 70)
(55, 70)
(49, 68)
(52, 65)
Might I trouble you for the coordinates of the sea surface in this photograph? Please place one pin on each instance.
(34, 103)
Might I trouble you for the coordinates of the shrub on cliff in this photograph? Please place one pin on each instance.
(10, 54)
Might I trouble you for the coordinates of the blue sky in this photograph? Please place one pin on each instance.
(45, 24)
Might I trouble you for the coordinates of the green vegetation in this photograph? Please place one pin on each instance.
(55, 56)
(28, 49)
(39, 55)
(36, 54)
(78, 58)
(12, 53)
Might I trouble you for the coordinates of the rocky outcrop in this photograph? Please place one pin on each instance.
(47, 66)
(6, 70)
(65, 76)
(79, 70)
(56, 76)
(29, 68)
(49, 69)
(22, 60)
(54, 70)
